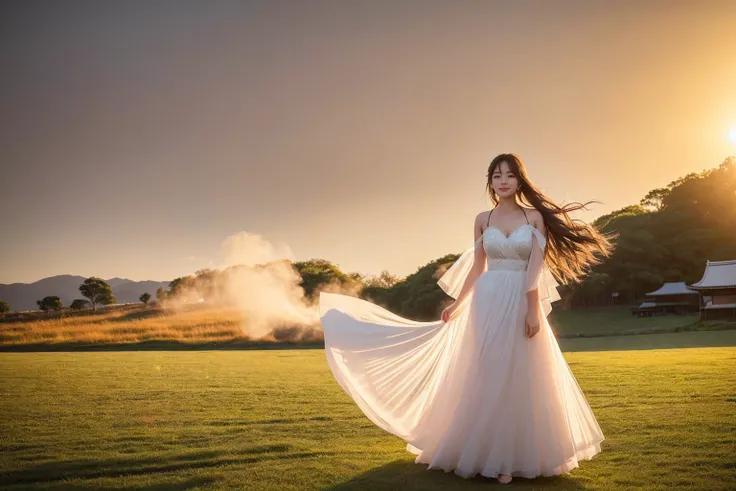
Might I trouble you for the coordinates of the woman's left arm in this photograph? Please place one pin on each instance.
(534, 271)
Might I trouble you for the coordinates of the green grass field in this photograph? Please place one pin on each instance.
(597, 321)
(277, 420)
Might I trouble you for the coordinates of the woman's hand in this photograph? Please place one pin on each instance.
(447, 313)
(532, 322)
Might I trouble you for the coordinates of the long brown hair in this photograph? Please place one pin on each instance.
(572, 244)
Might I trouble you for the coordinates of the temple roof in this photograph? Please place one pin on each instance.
(717, 274)
(673, 288)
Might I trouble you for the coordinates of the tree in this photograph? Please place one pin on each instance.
(319, 272)
(177, 286)
(383, 280)
(161, 294)
(98, 292)
(49, 303)
(4, 307)
(655, 198)
(145, 298)
(79, 304)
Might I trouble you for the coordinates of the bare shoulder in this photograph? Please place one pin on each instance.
(536, 219)
(480, 218)
(479, 225)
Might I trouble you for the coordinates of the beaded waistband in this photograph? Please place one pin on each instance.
(507, 264)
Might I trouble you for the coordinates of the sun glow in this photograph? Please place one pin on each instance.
(732, 135)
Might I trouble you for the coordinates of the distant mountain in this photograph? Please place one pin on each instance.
(23, 296)
(115, 282)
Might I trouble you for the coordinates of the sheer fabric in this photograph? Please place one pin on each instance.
(474, 394)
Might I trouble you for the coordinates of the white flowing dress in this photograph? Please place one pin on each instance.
(473, 395)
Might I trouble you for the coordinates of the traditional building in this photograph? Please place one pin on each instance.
(717, 289)
(671, 298)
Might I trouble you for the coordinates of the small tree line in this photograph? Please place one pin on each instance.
(95, 290)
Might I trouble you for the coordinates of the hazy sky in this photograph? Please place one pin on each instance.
(138, 136)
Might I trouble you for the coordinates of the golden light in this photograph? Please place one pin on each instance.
(732, 134)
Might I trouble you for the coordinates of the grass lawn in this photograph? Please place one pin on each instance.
(277, 420)
(612, 320)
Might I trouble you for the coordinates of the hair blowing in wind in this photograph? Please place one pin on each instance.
(573, 245)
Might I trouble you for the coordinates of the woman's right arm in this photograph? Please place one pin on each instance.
(475, 270)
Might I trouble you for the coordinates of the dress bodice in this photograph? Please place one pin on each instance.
(512, 252)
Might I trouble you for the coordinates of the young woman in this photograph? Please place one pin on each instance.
(486, 389)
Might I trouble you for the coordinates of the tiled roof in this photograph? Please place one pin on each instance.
(718, 274)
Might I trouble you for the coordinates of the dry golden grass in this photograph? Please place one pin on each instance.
(200, 324)
(140, 324)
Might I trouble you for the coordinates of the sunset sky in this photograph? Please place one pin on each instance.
(139, 136)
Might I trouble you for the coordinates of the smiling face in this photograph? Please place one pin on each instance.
(504, 181)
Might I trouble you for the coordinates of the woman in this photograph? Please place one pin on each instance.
(486, 389)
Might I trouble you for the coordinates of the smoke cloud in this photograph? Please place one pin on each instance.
(266, 286)
(258, 279)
